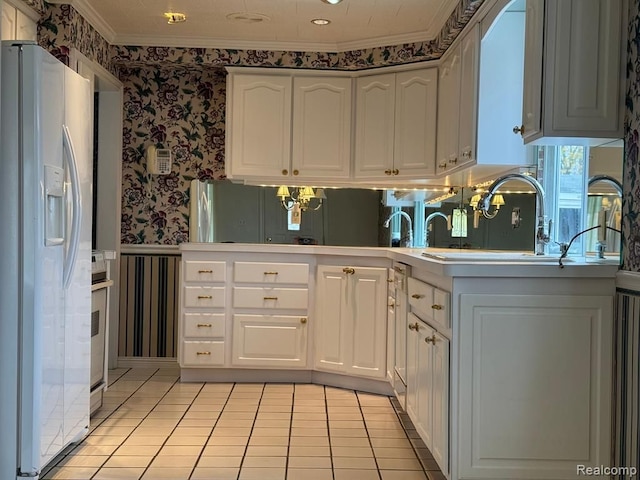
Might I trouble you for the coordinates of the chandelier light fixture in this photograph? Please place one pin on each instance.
(304, 198)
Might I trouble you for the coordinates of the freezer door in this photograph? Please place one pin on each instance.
(77, 363)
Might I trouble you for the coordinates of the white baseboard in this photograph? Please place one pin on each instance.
(147, 362)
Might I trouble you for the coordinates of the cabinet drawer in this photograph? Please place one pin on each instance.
(250, 297)
(420, 296)
(204, 271)
(202, 353)
(204, 325)
(256, 272)
(204, 296)
(441, 308)
(270, 340)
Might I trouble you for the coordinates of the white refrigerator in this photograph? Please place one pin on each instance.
(45, 271)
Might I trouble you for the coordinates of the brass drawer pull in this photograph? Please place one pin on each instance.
(395, 171)
(414, 326)
(204, 297)
(285, 172)
(203, 353)
(436, 307)
(270, 298)
(205, 271)
(348, 270)
(387, 172)
(390, 280)
(204, 325)
(431, 339)
(303, 320)
(417, 295)
(271, 273)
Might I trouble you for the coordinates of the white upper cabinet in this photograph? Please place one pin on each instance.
(16, 24)
(396, 125)
(321, 127)
(574, 49)
(458, 104)
(259, 116)
(285, 127)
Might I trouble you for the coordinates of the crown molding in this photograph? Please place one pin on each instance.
(91, 16)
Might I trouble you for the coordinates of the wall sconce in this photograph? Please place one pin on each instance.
(303, 196)
(497, 201)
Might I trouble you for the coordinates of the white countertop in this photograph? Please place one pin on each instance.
(441, 261)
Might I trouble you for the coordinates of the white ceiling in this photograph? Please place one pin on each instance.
(355, 24)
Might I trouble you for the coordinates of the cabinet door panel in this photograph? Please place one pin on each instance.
(415, 130)
(331, 318)
(269, 340)
(368, 333)
(440, 421)
(8, 21)
(259, 113)
(375, 104)
(587, 65)
(322, 127)
(533, 49)
(26, 29)
(468, 116)
(448, 111)
(535, 384)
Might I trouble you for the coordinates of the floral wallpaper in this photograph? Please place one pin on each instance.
(631, 173)
(61, 28)
(182, 109)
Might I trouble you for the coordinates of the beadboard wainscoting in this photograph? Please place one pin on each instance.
(627, 375)
(149, 303)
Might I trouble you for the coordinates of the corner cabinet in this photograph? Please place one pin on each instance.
(575, 49)
(396, 125)
(288, 128)
(350, 330)
(458, 104)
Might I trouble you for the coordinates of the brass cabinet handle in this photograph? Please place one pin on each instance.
(296, 172)
(431, 339)
(414, 326)
(348, 270)
(519, 130)
(454, 160)
(303, 320)
(270, 298)
(390, 280)
(204, 325)
(399, 270)
(387, 172)
(436, 307)
(466, 154)
(442, 165)
(204, 297)
(391, 305)
(270, 273)
(285, 172)
(395, 171)
(205, 271)
(203, 353)
(417, 295)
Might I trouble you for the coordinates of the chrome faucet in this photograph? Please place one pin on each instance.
(430, 217)
(408, 218)
(606, 179)
(542, 237)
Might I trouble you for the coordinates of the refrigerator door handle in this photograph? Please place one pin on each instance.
(76, 207)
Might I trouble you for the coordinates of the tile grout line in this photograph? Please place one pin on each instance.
(293, 400)
(326, 410)
(255, 417)
(366, 429)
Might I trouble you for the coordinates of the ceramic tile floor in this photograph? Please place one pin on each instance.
(153, 427)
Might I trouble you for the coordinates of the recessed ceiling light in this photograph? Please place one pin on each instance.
(320, 21)
(173, 17)
(332, 2)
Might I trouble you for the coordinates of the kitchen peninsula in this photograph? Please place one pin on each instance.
(508, 356)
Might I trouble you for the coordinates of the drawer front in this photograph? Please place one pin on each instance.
(274, 273)
(204, 297)
(202, 354)
(250, 297)
(204, 271)
(201, 325)
(421, 297)
(441, 308)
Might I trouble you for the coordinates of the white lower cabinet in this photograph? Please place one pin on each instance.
(270, 340)
(350, 331)
(428, 387)
(535, 385)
